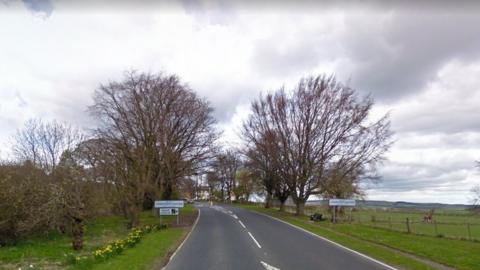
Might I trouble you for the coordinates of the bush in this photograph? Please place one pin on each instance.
(28, 202)
(316, 217)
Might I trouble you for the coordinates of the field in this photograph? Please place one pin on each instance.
(48, 251)
(420, 249)
(457, 224)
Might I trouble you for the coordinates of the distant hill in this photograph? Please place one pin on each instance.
(400, 204)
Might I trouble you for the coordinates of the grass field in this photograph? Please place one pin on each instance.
(48, 251)
(458, 224)
(407, 251)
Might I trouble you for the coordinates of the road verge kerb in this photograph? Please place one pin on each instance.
(331, 242)
(184, 240)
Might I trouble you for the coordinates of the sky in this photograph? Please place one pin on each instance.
(420, 62)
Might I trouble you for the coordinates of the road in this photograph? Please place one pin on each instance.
(226, 237)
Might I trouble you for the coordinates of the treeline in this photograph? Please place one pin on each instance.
(155, 137)
(314, 139)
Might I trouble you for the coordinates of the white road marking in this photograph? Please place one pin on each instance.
(235, 216)
(184, 240)
(269, 267)
(330, 241)
(254, 240)
(241, 223)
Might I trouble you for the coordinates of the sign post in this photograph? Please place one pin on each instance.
(340, 202)
(169, 208)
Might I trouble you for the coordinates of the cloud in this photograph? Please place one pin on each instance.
(445, 105)
(397, 57)
(415, 62)
(42, 7)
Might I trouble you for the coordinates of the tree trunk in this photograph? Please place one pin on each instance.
(133, 217)
(300, 208)
(282, 206)
(77, 234)
(268, 200)
(167, 191)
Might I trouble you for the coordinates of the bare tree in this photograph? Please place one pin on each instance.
(475, 191)
(317, 124)
(155, 131)
(79, 195)
(215, 186)
(476, 196)
(260, 155)
(246, 184)
(44, 142)
(341, 184)
(28, 202)
(68, 194)
(225, 166)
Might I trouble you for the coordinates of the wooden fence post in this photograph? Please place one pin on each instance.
(436, 229)
(469, 232)
(408, 226)
(390, 222)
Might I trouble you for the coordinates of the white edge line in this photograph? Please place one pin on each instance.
(331, 242)
(241, 223)
(255, 240)
(184, 240)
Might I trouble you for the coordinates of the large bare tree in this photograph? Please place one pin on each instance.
(156, 131)
(476, 195)
(225, 166)
(260, 154)
(49, 147)
(318, 123)
(43, 143)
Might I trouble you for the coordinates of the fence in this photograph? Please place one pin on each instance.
(455, 225)
(459, 230)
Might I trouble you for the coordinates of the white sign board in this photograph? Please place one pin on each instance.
(341, 202)
(169, 204)
(168, 211)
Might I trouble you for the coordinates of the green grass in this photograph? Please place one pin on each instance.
(459, 224)
(147, 254)
(374, 242)
(47, 251)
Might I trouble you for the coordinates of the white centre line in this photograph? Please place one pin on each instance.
(268, 267)
(241, 223)
(255, 240)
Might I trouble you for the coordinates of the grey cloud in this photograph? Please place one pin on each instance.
(459, 140)
(447, 121)
(276, 57)
(212, 12)
(20, 100)
(391, 53)
(409, 50)
(407, 177)
(44, 7)
(225, 97)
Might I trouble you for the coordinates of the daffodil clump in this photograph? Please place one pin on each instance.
(117, 247)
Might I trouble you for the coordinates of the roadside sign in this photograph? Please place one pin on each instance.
(169, 204)
(341, 202)
(168, 211)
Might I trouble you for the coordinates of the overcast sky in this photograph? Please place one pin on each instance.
(421, 63)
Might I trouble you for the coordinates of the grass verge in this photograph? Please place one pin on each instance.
(48, 251)
(150, 253)
(383, 244)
